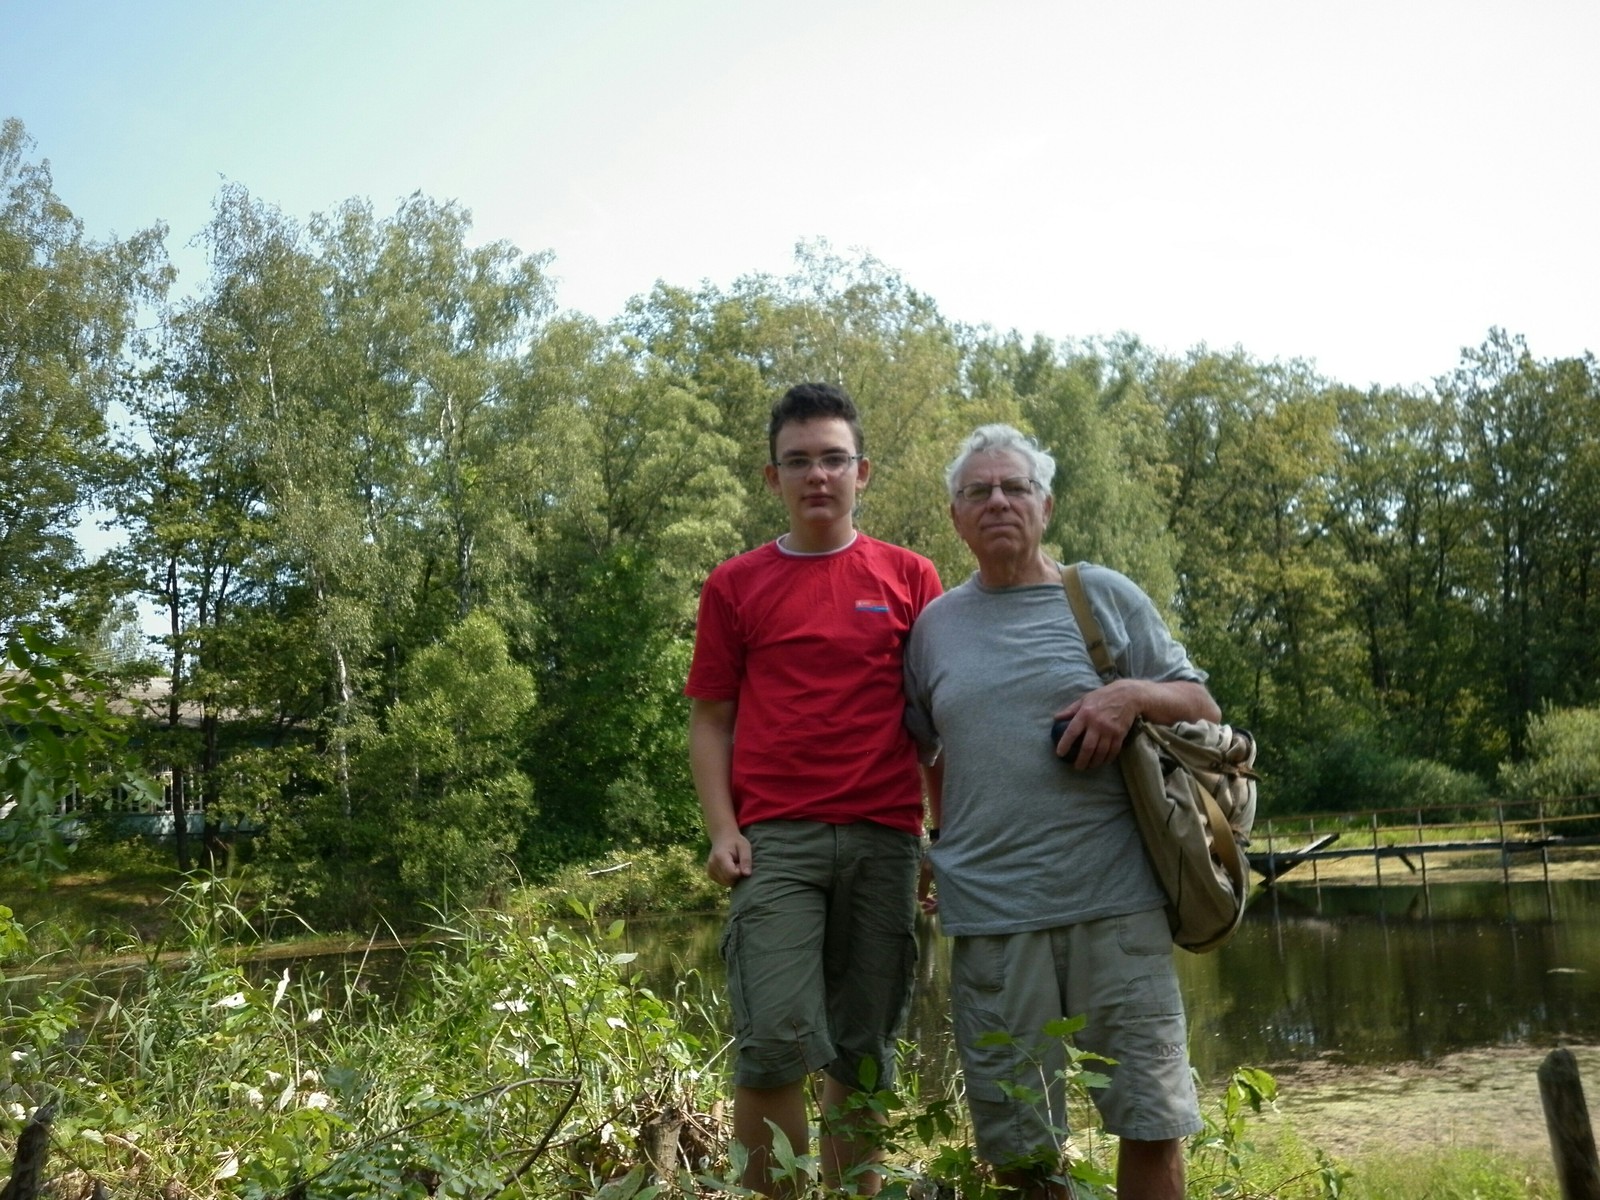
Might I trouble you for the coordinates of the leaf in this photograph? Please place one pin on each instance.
(624, 1188)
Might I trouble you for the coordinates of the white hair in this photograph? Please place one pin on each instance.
(988, 438)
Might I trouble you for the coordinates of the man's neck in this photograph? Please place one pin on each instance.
(819, 539)
(1005, 573)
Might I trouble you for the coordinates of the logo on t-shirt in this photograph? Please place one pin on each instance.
(866, 606)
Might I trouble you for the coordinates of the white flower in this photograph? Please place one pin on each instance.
(568, 980)
(274, 1078)
(236, 1000)
(516, 1006)
(314, 1016)
(16, 1112)
(18, 1055)
(616, 1022)
(230, 1165)
(254, 1098)
(318, 1100)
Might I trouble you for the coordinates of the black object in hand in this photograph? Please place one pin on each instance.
(1056, 732)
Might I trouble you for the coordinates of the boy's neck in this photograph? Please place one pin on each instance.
(819, 539)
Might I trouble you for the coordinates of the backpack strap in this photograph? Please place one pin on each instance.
(1078, 598)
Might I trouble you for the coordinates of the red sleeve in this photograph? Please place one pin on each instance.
(929, 588)
(717, 668)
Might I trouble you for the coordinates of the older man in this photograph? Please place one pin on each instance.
(1042, 880)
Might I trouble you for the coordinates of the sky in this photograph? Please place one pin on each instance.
(1368, 185)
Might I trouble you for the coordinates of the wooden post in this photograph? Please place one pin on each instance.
(1566, 1116)
(1505, 860)
(1377, 857)
(33, 1147)
(1422, 854)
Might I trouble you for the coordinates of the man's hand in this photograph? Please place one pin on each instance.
(1104, 716)
(1102, 719)
(729, 861)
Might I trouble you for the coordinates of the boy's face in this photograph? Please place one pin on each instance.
(817, 495)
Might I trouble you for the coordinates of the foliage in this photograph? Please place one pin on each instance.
(1563, 760)
(356, 432)
(496, 1057)
(436, 800)
(639, 881)
(1356, 769)
(66, 315)
(63, 747)
(1452, 1175)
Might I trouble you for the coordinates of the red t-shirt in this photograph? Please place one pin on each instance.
(810, 646)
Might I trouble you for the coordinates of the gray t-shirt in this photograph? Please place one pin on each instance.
(1027, 842)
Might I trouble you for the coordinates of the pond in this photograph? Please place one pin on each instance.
(1355, 975)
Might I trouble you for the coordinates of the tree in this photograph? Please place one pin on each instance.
(441, 800)
(66, 315)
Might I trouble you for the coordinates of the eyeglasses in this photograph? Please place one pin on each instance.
(831, 463)
(1015, 488)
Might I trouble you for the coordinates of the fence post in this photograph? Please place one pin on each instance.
(1377, 858)
(1422, 854)
(1566, 1116)
(33, 1147)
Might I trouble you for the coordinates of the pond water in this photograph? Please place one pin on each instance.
(1358, 975)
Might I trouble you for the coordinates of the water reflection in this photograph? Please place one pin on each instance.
(1361, 975)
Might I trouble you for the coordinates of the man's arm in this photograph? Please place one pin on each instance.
(711, 765)
(1104, 716)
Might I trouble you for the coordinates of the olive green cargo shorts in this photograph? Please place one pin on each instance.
(821, 951)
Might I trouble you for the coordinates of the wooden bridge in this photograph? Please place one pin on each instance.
(1494, 837)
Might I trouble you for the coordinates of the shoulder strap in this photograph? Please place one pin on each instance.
(1078, 598)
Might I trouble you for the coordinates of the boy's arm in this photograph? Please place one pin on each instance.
(711, 764)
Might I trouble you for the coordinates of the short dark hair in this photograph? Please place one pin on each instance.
(812, 402)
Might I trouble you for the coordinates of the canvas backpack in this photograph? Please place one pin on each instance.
(1193, 788)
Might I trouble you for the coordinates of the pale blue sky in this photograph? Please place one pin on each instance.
(1370, 185)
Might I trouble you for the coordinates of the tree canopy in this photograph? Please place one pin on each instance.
(427, 548)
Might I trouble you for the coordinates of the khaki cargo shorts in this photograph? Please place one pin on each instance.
(1118, 973)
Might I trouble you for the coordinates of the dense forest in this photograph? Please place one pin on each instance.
(427, 546)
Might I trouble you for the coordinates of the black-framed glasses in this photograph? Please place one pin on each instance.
(831, 463)
(1017, 487)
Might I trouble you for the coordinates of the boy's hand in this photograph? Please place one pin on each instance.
(729, 861)
(927, 898)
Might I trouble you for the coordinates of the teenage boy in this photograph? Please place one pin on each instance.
(810, 789)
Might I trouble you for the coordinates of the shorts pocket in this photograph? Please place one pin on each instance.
(1145, 933)
(728, 947)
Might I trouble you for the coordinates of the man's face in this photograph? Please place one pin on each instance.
(815, 493)
(1000, 525)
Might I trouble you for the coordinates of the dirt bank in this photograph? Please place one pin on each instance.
(1483, 1099)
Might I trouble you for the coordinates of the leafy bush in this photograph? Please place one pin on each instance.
(629, 884)
(1563, 761)
(1355, 770)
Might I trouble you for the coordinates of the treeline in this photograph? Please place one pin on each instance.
(427, 547)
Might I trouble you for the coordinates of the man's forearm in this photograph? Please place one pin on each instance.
(1179, 700)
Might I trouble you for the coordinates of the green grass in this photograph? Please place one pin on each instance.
(109, 896)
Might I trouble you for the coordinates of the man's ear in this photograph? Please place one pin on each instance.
(770, 474)
(1049, 506)
(863, 473)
